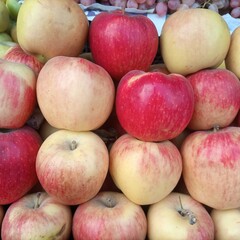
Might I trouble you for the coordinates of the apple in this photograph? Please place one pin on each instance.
(88, 92)
(16, 54)
(122, 42)
(72, 166)
(109, 215)
(37, 216)
(217, 98)
(153, 106)
(222, 65)
(194, 39)
(211, 166)
(145, 172)
(2, 213)
(4, 47)
(232, 59)
(53, 28)
(18, 151)
(4, 17)
(13, 7)
(226, 223)
(13, 31)
(5, 37)
(179, 216)
(18, 94)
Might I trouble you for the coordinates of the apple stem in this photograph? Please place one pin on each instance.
(73, 145)
(186, 212)
(37, 203)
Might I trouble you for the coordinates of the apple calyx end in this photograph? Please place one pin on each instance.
(110, 203)
(186, 212)
(73, 145)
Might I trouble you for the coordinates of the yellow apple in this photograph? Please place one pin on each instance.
(232, 60)
(194, 39)
(4, 17)
(226, 223)
(52, 28)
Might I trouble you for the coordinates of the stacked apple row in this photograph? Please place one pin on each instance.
(108, 145)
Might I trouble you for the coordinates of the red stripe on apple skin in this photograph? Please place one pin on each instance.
(11, 85)
(209, 145)
(213, 166)
(109, 215)
(217, 98)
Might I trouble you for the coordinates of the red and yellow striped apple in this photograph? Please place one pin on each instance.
(211, 166)
(18, 94)
(37, 216)
(145, 172)
(72, 166)
(109, 215)
(74, 93)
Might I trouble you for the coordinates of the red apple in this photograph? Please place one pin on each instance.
(217, 98)
(226, 223)
(109, 215)
(72, 166)
(18, 94)
(145, 172)
(17, 54)
(18, 151)
(122, 42)
(153, 106)
(74, 93)
(211, 166)
(37, 216)
(179, 216)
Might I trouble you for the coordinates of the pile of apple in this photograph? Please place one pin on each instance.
(108, 144)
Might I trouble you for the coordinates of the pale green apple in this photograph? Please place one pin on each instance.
(5, 37)
(4, 17)
(4, 46)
